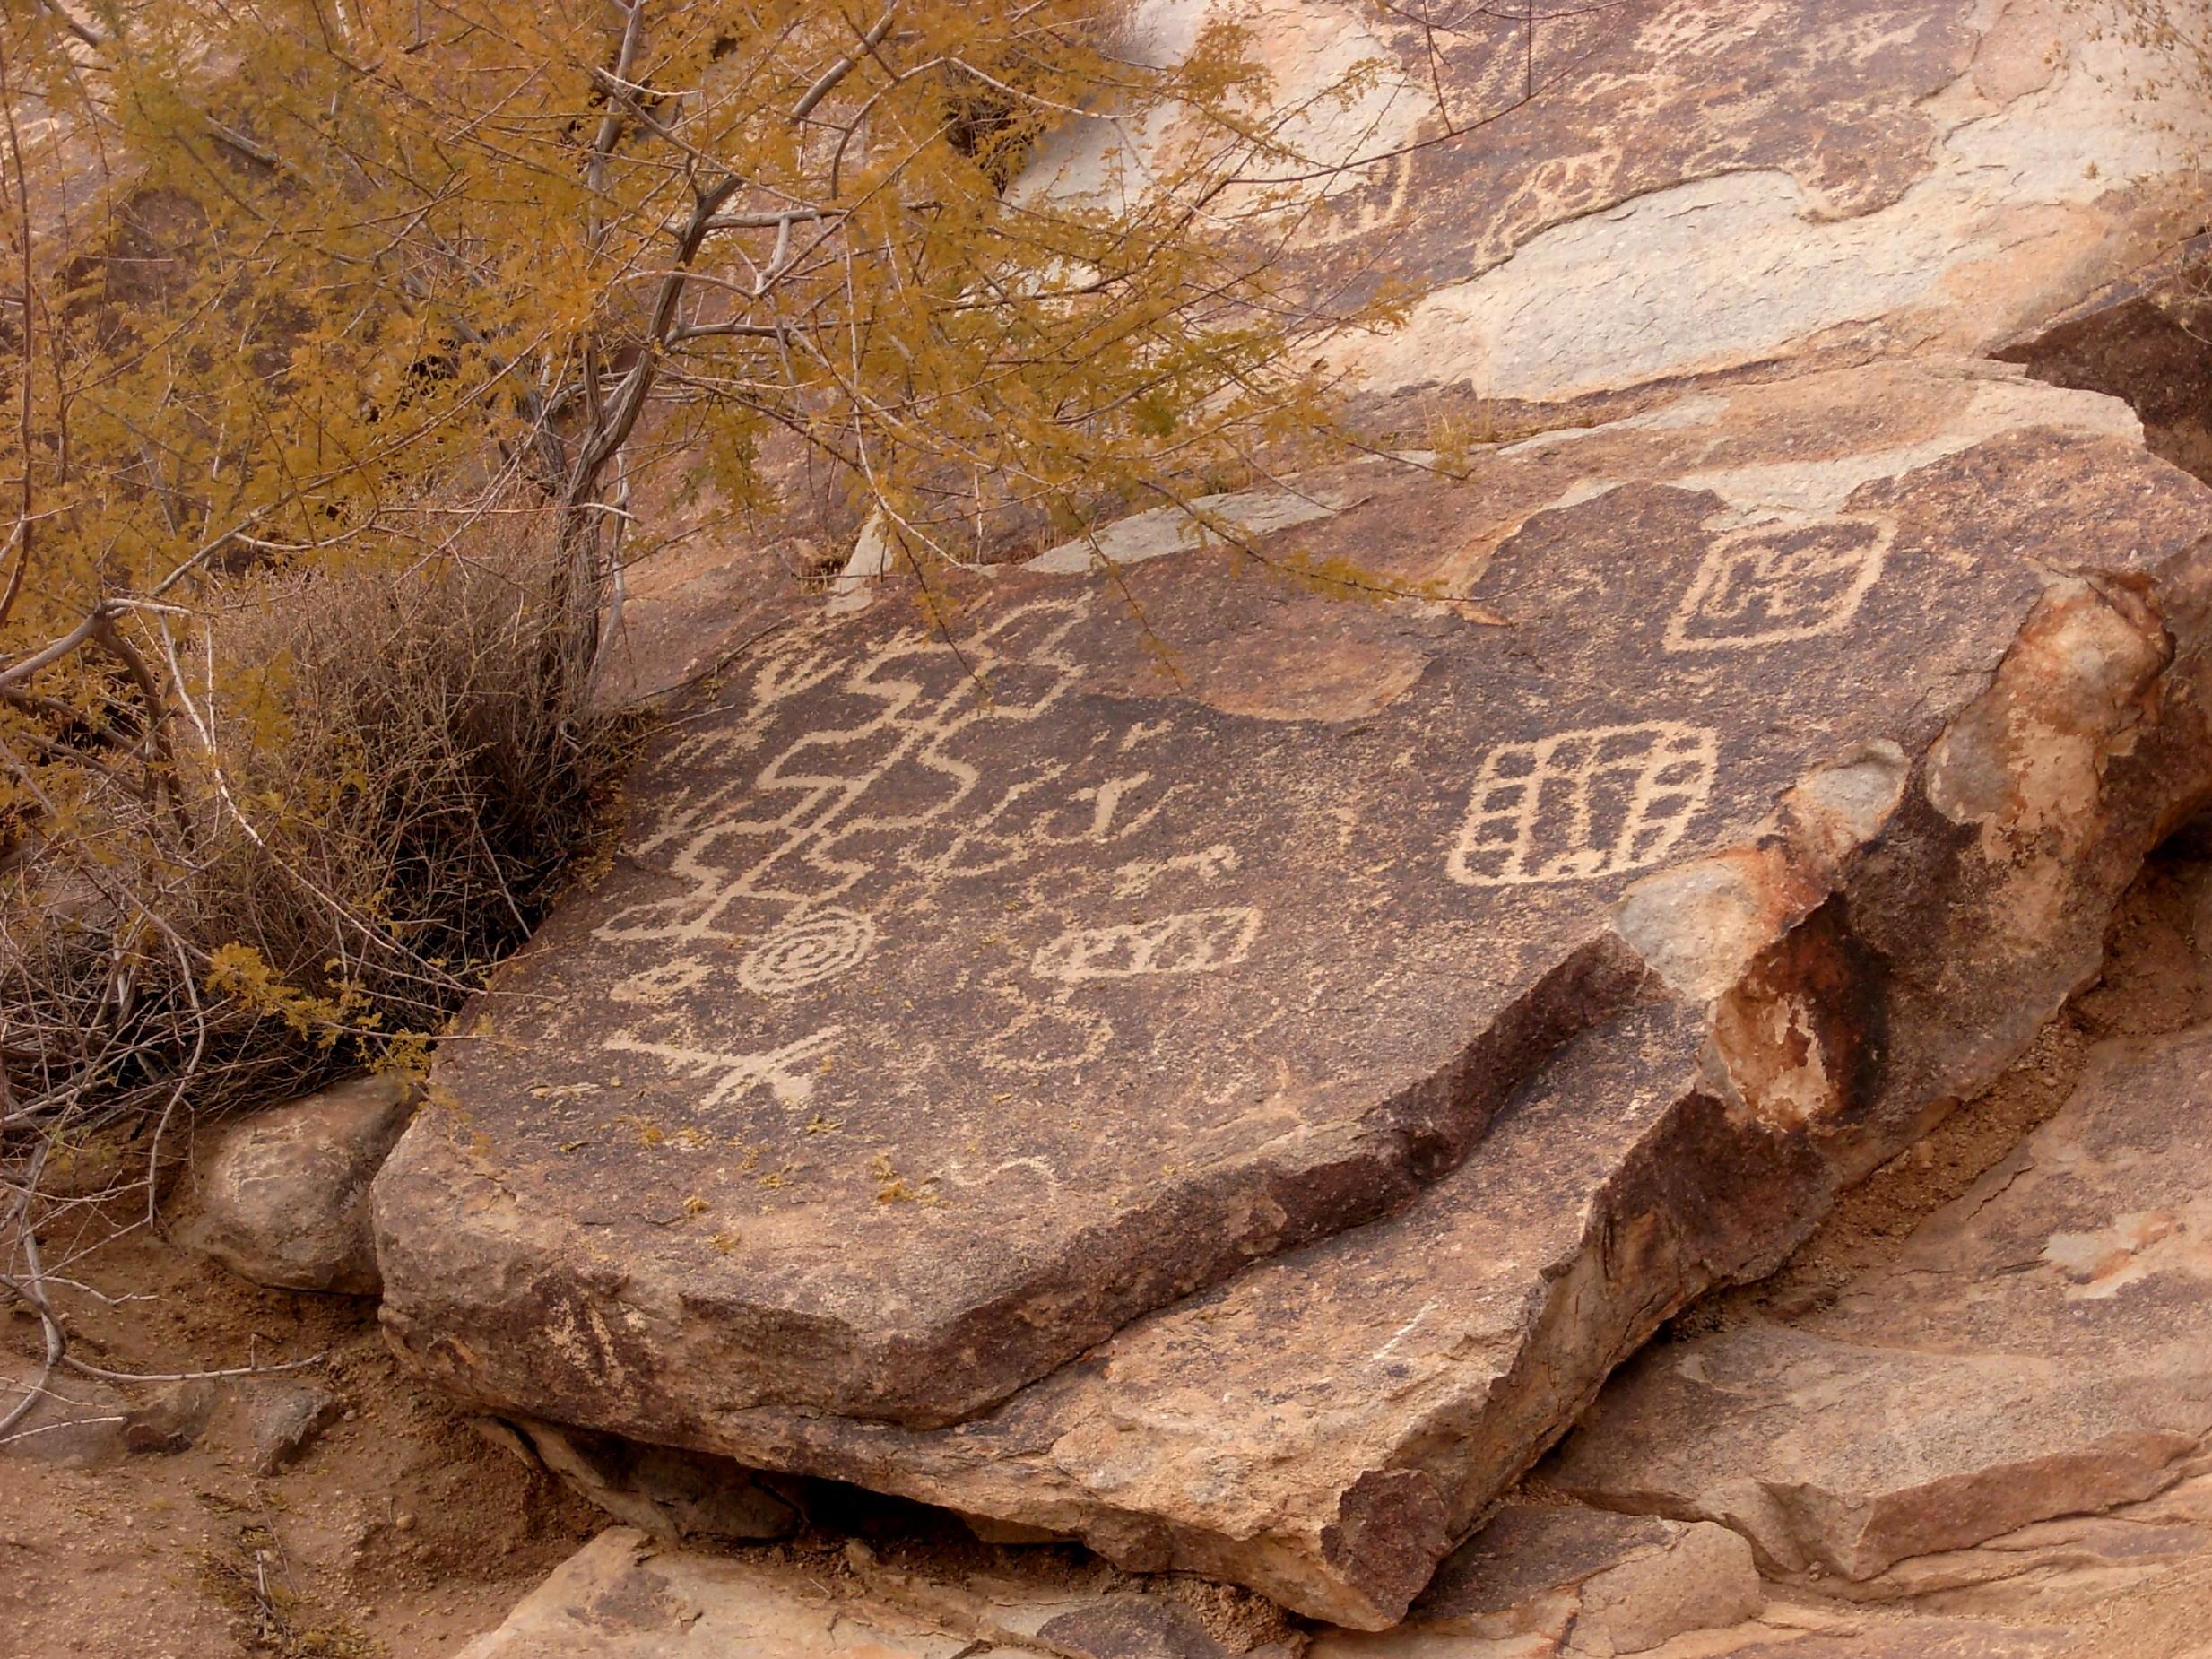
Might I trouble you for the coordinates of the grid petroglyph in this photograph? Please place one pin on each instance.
(1583, 804)
(1191, 942)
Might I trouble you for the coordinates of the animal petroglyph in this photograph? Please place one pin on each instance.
(1363, 201)
(807, 950)
(662, 983)
(1580, 804)
(1193, 941)
(1777, 582)
(1208, 864)
(788, 1073)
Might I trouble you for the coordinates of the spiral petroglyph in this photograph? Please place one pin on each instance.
(806, 951)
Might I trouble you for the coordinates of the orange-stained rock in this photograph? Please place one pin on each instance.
(2042, 1348)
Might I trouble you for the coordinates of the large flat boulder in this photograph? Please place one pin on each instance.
(1224, 1072)
(2041, 1348)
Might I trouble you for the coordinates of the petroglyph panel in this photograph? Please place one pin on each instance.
(781, 842)
(1195, 942)
(1778, 582)
(1582, 805)
(990, 984)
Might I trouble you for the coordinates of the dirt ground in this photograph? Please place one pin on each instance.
(403, 1531)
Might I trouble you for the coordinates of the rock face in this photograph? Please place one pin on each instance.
(282, 1197)
(1236, 1112)
(2041, 1348)
(1668, 187)
(1545, 1580)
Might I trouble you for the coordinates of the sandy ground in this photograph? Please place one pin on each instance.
(402, 1532)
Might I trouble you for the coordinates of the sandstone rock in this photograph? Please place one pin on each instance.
(1900, 1638)
(283, 1419)
(623, 1597)
(282, 1197)
(171, 1419)
(1665, 187)
(1572, 1582)
(1094, 1618)
(2042, 1348)
(2142, 338)
(1018, 1079)
(2048, 1570)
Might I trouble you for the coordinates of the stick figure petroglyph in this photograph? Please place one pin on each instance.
(1581, 804)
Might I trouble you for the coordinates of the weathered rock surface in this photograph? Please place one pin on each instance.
(282, 1197)
(2041, 1348)
(284, 1420)
(1666, 188)
(624, 1597)
(950, 1011)
(1558, 1581)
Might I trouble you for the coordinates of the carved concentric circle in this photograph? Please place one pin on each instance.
(806, 951)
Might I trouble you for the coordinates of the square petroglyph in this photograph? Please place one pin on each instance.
(1580, 804)
(1777, 582)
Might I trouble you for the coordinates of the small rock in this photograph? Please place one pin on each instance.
(286, 1420)
(171, 1419)
(282, 1197)
(78, 1421)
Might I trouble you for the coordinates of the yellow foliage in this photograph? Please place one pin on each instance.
(313, 303)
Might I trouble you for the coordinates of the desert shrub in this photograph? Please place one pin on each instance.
(378, 773)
